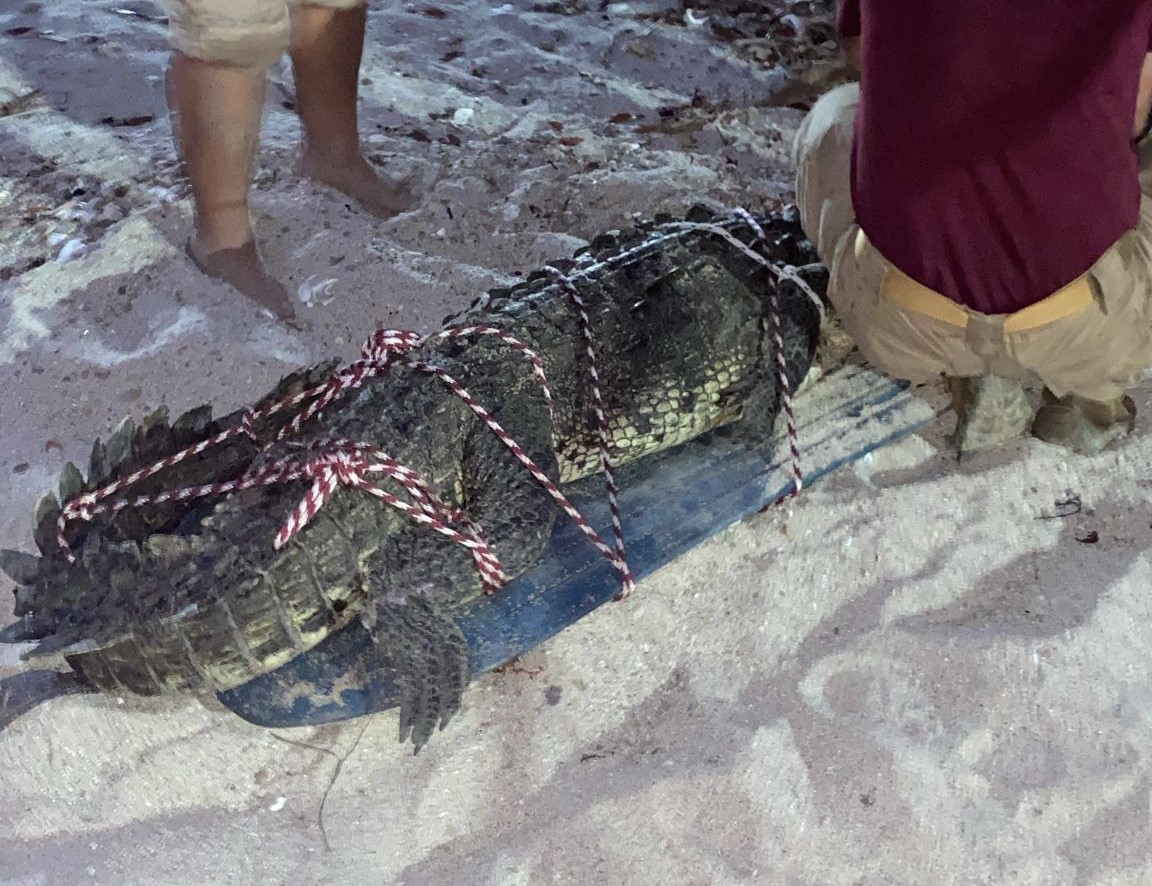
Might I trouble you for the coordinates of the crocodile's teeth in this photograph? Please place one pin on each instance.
(98, 467)
(71, 482)
(22, 568)
(120, 443)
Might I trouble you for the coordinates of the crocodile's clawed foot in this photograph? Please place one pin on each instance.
(429, 656)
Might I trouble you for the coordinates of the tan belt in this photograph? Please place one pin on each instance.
(902, 290)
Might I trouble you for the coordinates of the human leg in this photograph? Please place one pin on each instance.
(216, 114)
(822, 153)
(216, 83)
(1089, 361)
(326, 48)
(990, 410)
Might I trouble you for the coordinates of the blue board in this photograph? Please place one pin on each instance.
(669, 503)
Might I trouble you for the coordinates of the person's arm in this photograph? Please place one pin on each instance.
(848, 24)
(1142, 124)
(850, 46)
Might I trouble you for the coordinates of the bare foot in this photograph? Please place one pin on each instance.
(242, 268)
(357, 179)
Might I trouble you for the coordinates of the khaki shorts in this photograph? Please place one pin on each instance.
(1097, 352)
(250, 33)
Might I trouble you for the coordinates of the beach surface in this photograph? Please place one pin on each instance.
(921, 672)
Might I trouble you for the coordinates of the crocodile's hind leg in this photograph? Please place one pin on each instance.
(423, 578)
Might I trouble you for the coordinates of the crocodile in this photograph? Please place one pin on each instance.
(189, 594)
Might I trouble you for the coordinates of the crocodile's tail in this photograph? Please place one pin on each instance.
(129, 448)
(137, 553)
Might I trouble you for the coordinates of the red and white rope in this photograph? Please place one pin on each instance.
(627, 581)
(775, 329)
(347, 463)
(601, 423)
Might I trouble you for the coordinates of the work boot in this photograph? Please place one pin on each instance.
(1082, 425)
(990, 410)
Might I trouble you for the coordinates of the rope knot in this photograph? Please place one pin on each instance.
(339, 465)
(82, 507)
(335, 464)
(387, 345)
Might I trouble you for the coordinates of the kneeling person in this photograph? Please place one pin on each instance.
(978, 199)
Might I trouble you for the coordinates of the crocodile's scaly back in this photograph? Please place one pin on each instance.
(191, 596)
(679, 321)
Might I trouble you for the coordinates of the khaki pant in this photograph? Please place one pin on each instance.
(250, 33)
(1097, 352)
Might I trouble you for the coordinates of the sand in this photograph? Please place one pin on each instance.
(917, 673)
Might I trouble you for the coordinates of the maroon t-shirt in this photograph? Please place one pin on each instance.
(993, 158)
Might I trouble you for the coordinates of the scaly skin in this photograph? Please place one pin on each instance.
(192, 597)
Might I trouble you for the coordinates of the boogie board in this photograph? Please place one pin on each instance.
(669, 504)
